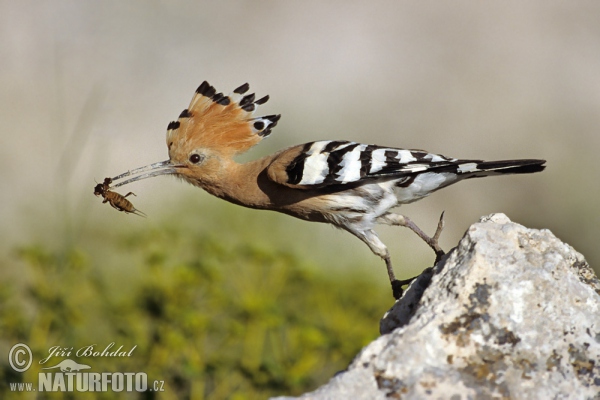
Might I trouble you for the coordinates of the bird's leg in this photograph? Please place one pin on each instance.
(390, 269)
(396, 283)
(431, 241)
(401, 220)
(377, 247)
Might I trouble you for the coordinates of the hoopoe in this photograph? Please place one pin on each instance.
(351, 185)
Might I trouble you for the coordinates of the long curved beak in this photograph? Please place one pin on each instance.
(148, 171)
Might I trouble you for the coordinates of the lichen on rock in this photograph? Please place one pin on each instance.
(511, 312)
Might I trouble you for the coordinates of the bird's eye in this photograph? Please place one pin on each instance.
(195, 158)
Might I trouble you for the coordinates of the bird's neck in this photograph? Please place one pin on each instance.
(248, 185)
(239, 183)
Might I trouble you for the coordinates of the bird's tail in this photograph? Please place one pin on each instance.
(476, 169)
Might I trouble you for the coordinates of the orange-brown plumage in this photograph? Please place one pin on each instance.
(217, 122)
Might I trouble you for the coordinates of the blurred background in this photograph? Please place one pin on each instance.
(224, 302)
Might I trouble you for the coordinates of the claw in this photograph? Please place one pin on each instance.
(397, 286)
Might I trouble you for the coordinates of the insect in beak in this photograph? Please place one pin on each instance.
(149, 171)
(116, 200)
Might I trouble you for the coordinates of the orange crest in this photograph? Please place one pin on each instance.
(221, 123)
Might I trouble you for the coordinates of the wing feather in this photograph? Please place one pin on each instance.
(326, 163)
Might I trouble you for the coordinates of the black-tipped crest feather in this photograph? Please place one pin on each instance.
(242, 89)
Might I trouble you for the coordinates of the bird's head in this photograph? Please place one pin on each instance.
(207, 134)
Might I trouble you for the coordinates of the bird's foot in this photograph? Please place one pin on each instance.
(397, 284)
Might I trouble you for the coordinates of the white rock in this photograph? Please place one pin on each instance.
(510, 312)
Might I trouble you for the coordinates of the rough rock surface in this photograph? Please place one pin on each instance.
(510, 312)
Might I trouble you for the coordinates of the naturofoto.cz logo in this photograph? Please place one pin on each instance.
(71, 376)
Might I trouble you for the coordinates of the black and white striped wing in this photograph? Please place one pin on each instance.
(325, 163)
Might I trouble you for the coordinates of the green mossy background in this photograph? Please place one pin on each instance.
(214, 315)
